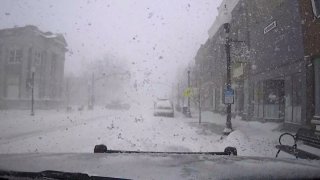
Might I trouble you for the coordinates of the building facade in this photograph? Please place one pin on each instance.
(24, 50)
(310, 14)
(278, 76)
(275, 60)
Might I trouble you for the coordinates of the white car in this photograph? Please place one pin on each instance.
(163, 107)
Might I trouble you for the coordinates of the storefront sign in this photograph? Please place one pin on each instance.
(238, 71)
(187, 92)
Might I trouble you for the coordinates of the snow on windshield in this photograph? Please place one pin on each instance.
(239, 73)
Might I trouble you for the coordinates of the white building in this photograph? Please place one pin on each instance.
(224, 15)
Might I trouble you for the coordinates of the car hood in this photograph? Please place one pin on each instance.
(163, 166)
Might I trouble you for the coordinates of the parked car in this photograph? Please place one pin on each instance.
(163, 107)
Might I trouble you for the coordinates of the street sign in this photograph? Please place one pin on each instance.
(187, 92)
(228, 96)
(270, 27)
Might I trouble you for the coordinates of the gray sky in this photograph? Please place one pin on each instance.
(152, 35)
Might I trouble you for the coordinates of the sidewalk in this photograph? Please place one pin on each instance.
(251, 138)
(16, 123)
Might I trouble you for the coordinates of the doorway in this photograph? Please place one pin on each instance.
(293, 98)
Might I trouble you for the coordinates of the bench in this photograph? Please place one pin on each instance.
(308, 137)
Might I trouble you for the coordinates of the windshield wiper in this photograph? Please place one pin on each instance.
(49, 174)
(101, 148)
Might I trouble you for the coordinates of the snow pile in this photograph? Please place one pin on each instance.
(237, 138)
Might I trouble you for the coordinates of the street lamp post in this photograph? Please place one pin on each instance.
(199, 96)
(189, 88)
(228, 128)
(32, 91)
(189, 111)
(178, 107)
(92, 91)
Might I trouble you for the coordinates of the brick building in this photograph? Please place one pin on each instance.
(275, 64)
(27, 49)
(310, 14)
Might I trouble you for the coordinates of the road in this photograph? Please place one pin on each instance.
(123, 130)
(135, 129)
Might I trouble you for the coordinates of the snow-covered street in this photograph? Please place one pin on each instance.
(136, 129)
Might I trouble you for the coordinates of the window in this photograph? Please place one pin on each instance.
(53, 65)
(13, 82)
(37, 58)
(15, 56)
(316, 8)
(274, 92)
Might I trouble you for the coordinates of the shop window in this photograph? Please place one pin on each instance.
(274, 92)
(274, 99)
(316, 7)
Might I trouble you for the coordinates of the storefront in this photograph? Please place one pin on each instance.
(274, 99)
(269, 100)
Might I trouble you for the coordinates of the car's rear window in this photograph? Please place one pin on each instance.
(163, 105)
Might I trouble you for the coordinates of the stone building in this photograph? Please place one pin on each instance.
(24, 50)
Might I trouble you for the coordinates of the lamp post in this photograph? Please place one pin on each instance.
(92, 91)
(228, 88)
(189, 87)
(199, 95)
(32, 91)
(91, 97)
(178, 107)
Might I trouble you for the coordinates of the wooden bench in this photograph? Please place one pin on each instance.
(308, 137)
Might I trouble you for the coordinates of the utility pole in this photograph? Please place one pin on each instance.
(199, 96)
(68, 94)
(32, 92)
(189, 111)
(92, 91)
(228, 128)
(178, 98)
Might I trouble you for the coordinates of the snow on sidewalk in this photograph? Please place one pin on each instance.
(251, 138)
(15, 122)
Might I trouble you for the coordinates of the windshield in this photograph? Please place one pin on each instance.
(238, 73)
